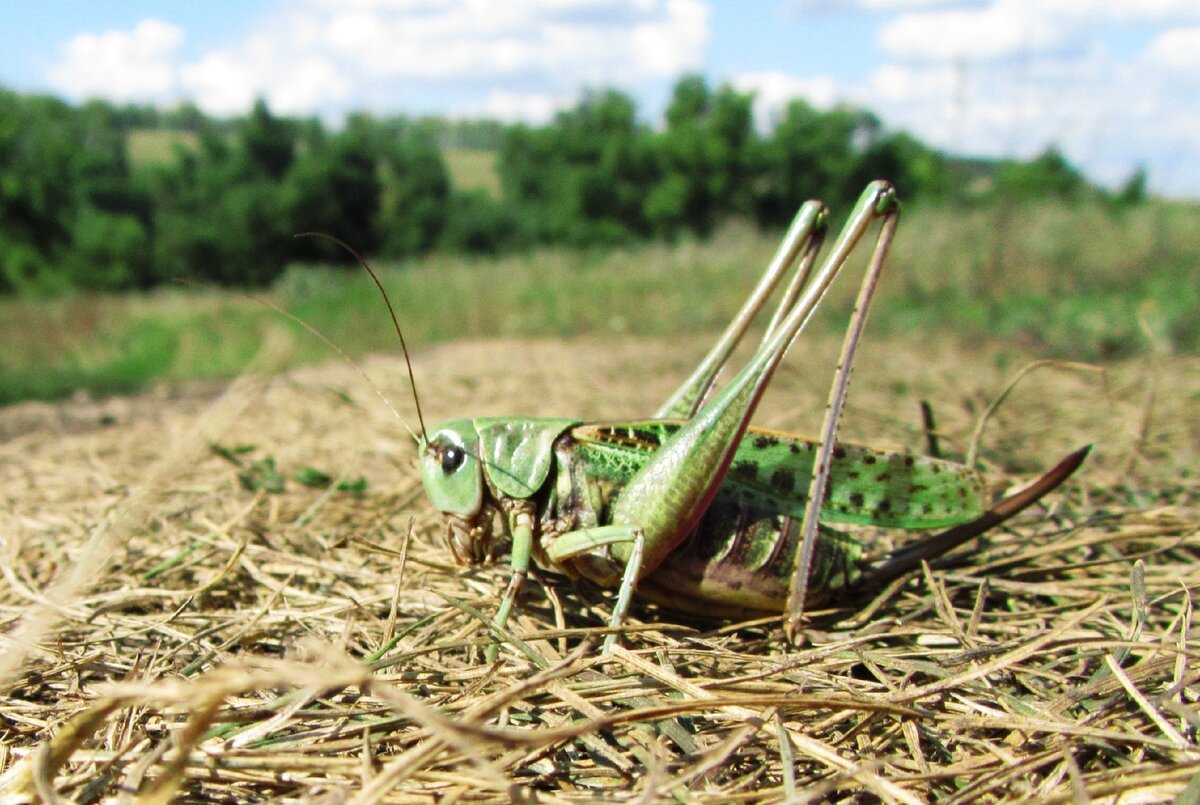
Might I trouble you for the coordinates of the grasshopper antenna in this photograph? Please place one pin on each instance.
(324, 339)
(412, 379)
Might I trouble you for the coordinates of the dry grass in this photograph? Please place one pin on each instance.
(169, 633)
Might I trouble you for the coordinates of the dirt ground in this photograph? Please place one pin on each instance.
(171, 629)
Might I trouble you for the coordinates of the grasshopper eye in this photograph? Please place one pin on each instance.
(451, 469)
(452, 458)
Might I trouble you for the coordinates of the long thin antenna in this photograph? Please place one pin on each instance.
(412, 379)
(326, 340)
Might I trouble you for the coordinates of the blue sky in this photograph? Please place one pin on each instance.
(1114, 84)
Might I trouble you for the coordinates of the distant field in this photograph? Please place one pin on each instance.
(1072, 283)
(156, 146)
(473, 170)
(469, 169)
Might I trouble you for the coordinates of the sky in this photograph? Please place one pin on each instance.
(1114, 84)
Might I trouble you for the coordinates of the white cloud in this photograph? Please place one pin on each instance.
(1178, 49)
(574, 41)
(1009, 77)
(311, 55)
(903, 84)
(829, 6)
(1005, 28)
(1104, 11)
(1107, 112)
(292, 81)
(218, 84)
(528, 107)
(674, 42)
(773, 89)
(137, 65)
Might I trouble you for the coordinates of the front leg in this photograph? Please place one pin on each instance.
(561, 550)
(520, 525)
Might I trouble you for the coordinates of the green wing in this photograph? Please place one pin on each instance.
(866, 486)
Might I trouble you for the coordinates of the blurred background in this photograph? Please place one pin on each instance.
(563, 167)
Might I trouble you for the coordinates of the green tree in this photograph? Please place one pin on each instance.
(186, 117)
(583, 178)
(477, 223)
(707, 158)
(217, 220)
(42, 159)
(269, 142)
(334, 187)
(1134, 190)
(813, 154)
(917, 171)
(1048, 175)
(62, 170)
(109, 251)
(414, 189)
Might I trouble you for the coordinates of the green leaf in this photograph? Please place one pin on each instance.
(231, 454)
(356, 487)
(262, 475)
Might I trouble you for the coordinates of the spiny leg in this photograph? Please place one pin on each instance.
(803, 236)
(669, 494)
(799, 282)
(665, 499)
(798, 587)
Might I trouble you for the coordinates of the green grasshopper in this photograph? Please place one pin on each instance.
(694, 507)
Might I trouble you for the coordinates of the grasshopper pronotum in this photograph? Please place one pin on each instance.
(695, 508)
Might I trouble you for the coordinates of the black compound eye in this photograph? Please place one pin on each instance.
(453, 458)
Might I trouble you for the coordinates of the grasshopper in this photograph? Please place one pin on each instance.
(694, 507)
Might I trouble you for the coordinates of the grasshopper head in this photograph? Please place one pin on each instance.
(453, 477)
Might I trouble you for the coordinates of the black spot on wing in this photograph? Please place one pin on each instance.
(783, 481)
(744, 469)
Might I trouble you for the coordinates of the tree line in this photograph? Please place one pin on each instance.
(77, 212)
